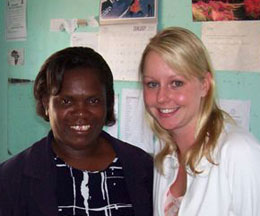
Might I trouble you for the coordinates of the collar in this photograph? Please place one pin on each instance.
(39, 161)
(40, 167)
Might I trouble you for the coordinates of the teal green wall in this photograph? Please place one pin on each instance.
(20, 126)
(3, 88)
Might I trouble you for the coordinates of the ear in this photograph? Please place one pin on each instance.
(206, 84)
(45, 103)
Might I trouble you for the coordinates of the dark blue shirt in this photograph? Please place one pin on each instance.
(94, 193)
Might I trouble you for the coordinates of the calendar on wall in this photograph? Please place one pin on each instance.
(122, 47)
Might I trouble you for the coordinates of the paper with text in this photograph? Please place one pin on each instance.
(122, 47)
(133, 127)
(238, 109)
(233, 45)
(15, 26)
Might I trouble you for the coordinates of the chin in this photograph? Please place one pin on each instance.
(166, 126)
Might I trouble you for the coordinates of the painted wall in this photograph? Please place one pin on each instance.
(20, 126)
(3, 89)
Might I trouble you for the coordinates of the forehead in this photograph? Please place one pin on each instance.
(155, 65)
(166, 65)
(81, 79)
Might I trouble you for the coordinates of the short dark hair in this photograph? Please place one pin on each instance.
(49, 79)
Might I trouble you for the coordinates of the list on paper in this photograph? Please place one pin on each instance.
(133, 127)
(15, 26)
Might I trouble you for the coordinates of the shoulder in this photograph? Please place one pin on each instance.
(234, 137)
(16, 164)
(128, 151)
(132, 150)
(238, 145)
(122, 146)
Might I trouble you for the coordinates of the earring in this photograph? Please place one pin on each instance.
(46, 112)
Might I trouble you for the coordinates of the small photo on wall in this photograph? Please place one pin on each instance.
(127, 11)
(16, 57)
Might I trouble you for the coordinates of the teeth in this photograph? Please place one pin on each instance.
(80, 127)
(166, 110)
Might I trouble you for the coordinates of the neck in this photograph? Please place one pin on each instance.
(66, 152)
(184, 139)
(92, 158)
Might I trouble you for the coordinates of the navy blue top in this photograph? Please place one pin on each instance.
(28, 181)
(92, 193)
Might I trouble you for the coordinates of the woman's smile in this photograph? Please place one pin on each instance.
(77, 114)
(80, 127)
(170, 98)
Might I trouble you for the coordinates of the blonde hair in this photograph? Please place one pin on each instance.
(183, 51)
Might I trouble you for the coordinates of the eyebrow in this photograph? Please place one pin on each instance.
(172, 77)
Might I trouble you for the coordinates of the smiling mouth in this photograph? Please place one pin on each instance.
(80, 127)
(166, 111)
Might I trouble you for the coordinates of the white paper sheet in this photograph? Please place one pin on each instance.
(122, 47)
(68, 25)
(113, 130)
(238, 109)
(15, 20)
(233, 45)
(85, 39)
(133, 127)
(92, 22)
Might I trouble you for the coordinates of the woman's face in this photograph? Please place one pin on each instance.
(77, 114)
(169, 97)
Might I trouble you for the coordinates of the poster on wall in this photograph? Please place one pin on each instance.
(15, 20)
(225, 10)
(127, 11)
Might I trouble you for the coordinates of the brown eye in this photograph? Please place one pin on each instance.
(94, 100)
(65, 101)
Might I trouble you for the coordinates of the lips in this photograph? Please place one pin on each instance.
(80, 128)
(167, 110)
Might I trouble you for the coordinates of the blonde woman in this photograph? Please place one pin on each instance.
(205, 165)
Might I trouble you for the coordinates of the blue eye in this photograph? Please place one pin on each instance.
(177, 83)
(152, 84)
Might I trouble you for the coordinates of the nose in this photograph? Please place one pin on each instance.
(80, 109)
(163, 94)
